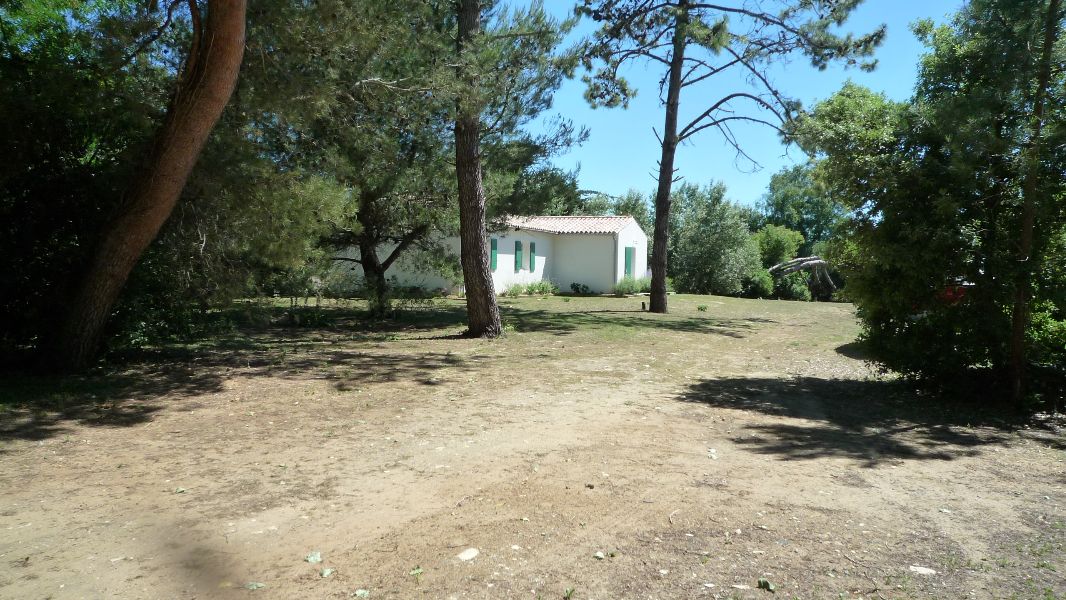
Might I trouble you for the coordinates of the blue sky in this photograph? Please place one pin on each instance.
(622, 151)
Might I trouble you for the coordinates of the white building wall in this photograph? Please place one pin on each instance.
(505, 275)
(632, 236)
(407, 272)
(584, 258)
(596, 260)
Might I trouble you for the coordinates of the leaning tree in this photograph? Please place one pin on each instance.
(204, 86)
(696, 44)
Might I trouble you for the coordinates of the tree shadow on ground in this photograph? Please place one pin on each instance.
(869, 421)
(444, 321)
(348, 350)
(34, 407)
(562, 323)
(856, 350)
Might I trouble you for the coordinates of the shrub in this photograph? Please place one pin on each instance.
(515, 290)
(777, 244)
(792, 287)
(629, 285)
(702, 308)
(542, 288)
(1047, 334)
(580, 289)
(760, 285)
(713, 252)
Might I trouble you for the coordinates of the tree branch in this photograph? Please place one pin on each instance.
(152, 37)
(347, 259)
(686, 131)
(407, 240)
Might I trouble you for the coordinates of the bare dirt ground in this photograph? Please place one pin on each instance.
(699, 452)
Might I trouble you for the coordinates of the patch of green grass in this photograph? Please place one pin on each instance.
(1045, 564)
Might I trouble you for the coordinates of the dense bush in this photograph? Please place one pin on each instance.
(629, 285)
(777, 244)
(792, 286)
(714, 252)
(542, 288)
(936, 190)
(759, 285)
(514, 290)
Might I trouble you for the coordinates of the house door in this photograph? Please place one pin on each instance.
(631, 253)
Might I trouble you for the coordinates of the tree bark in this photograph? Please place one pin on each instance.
(661, 236)
(377, 288)
(482, 312)
(204, 87)
(1030, 189)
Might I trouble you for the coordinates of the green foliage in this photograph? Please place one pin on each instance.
(713, 252)
(580, 289)
(632, 29)
(777, 244)
(78, 121)
(515, 290)
(340, 131)
(1047, 333)
(701, 308)
(792, 286)
(759, 285)
(797, 201)
(636, 205)
(629, 285)
(933, 188)
(542, 288)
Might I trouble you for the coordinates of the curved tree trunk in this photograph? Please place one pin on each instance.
(204, 87)
(482, 312)
(660, 239)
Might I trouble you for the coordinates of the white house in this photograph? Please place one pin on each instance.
(588, 250)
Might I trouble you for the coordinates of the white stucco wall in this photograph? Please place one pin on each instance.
(584, 258)
(405, 271)
(596, 260)
(632, 236)
(505, 274)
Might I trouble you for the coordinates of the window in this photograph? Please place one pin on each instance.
(492, 253)
(517, 256)
(631, 253)
(532, 256)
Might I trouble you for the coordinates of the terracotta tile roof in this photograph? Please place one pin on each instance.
(579, 224)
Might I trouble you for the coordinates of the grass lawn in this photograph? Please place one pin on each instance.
(594, 448)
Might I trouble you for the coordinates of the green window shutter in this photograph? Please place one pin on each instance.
(517, 256)
(630, 254)
(492, 254)
(532, 256)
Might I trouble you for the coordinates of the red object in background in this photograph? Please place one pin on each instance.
(954, 293)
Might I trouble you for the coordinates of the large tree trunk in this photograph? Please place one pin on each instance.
(377, 290)
(377, 287)
(660, 239)
(482, 312)
(204, 87)
(1030, 189)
